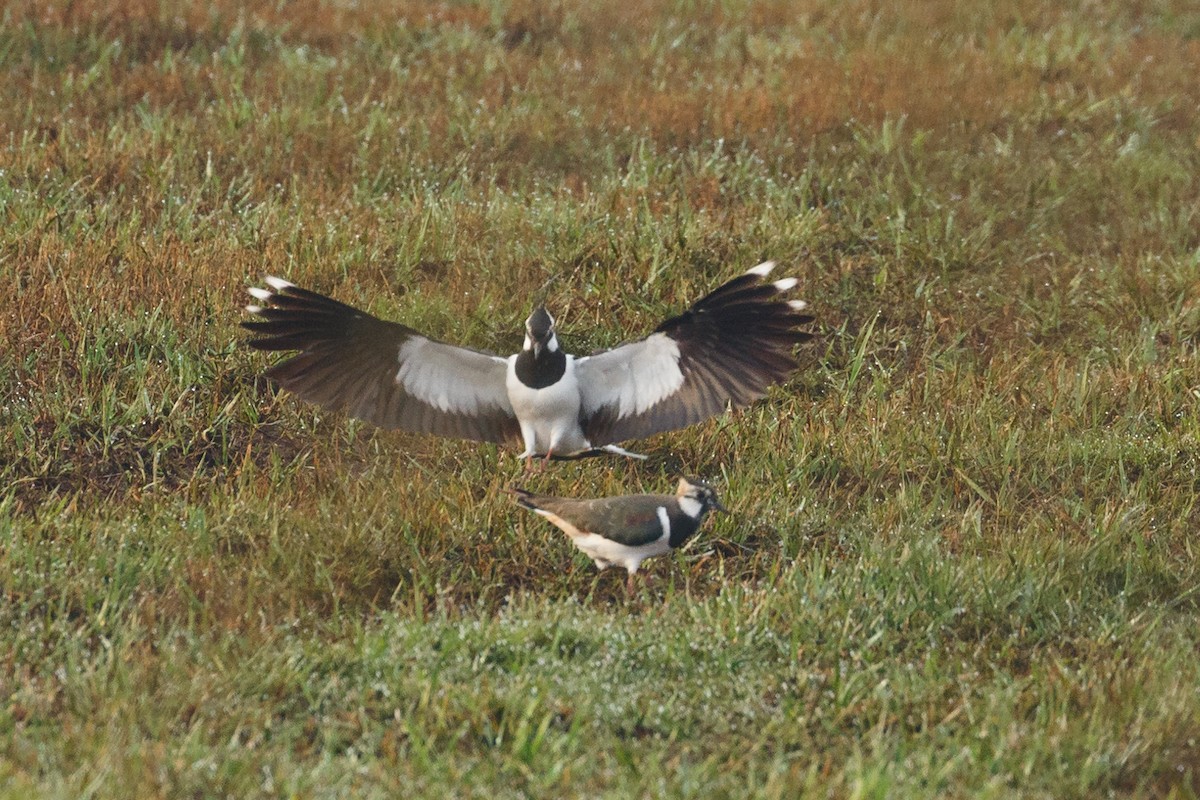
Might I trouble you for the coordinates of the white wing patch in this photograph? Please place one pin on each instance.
(634, 377)
(451, 379)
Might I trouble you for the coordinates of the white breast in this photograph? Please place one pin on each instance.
(549, 417)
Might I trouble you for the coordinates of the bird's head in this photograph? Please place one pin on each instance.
(700, 493)
(539, 332)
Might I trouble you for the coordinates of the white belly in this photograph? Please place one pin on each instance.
(605, 552)
(549, 417)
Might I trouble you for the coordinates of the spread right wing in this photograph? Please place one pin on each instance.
(382, 372)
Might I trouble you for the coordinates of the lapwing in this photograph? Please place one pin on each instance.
(725, 350)
(624, 531)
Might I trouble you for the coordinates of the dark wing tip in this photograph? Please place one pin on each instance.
(746, 303)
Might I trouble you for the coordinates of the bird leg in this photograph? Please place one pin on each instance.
(535, 464)
(629, 585)
(540, 461)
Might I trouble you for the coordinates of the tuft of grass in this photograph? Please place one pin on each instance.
(961, 557)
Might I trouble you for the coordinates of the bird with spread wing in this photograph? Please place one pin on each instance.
(725, 350)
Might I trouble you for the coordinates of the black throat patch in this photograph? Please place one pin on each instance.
(540, 371)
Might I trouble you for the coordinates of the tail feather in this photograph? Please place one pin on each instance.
(525, 498)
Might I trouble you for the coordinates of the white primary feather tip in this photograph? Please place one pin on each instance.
(797, 305)
(259, 294)
(254, 309)
(785, 284)
(612, 448)
(762, 270)
(278, 284)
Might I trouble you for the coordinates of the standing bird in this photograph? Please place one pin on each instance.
(725, 350)
(625, 531)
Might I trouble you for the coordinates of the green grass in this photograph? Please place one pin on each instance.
(961, 560)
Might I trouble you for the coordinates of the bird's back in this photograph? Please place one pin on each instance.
(632, 520)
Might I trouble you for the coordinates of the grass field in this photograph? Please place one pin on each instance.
(962, 555)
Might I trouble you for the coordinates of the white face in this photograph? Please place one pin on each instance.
(551, 343)
(697, 499)
(691, 506)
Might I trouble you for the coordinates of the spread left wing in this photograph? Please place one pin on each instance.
(727, 349)
(382, 372)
